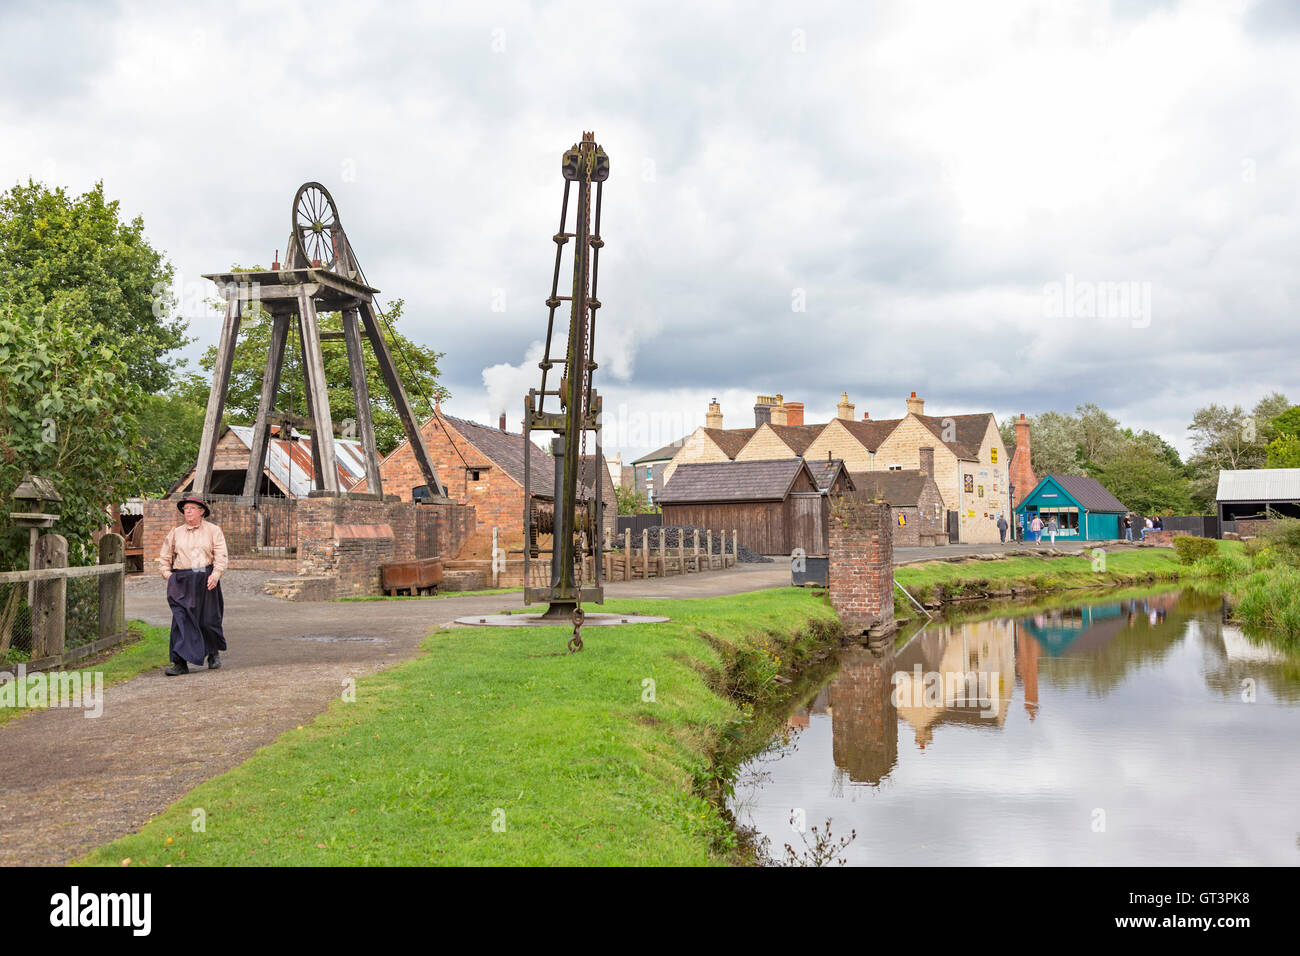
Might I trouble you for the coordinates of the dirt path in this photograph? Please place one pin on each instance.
(72, 783)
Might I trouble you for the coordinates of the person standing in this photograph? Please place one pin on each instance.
(1036, 529)
(1002, 528)
(192, 561)
(1128, 527)
(1051, 529)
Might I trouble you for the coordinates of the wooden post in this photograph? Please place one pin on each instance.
(270, 385)
(645, 553)
(217, 396)
(384, 359)
(112, 587)
(50, 610)
(627, 554)
(313, 361)
(663, 554)
(681, 550)
(695, 550)
(361, 393)
(708, 548)
(735, 546)
(496, 574)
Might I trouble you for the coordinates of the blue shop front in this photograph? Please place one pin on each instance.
(1084, 510)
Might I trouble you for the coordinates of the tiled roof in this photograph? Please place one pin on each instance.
(901, 488)
(1259, 484)
(870, 433)
(730, 440)
(825, 473)
(662, 454)
(732, 481)
(970, 431)
(1088, 492)
(797, 437)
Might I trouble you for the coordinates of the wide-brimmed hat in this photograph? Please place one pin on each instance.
(193, 500)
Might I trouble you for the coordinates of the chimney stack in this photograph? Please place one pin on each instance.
(844, 410)
(778, 410)
(1022, 468)
(927, 460)
(502, 424)
(915, 406)
(763, 410)
(794, 413)
(714, 418)
(866, 416)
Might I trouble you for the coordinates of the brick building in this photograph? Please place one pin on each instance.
(484, 467)
(917, 514)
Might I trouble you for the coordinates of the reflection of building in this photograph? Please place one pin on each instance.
(864, 725)
(1079, 628)
(1028, 651)
(939, 680)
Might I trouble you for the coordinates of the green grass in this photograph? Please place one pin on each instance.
(941, 580)
(147, 649)
(503, 725)
(433, 597)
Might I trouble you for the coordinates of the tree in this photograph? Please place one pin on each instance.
(417, 366)
(172, 427)
(53, 247)
(632, 501)
(1054, 440)
(65, 414)
(1229, 439)
(1144, 479)
(1284, 449)
(1098, 433)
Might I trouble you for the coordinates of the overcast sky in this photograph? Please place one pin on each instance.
(1005, 207)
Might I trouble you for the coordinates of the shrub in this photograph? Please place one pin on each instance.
(1190, 550)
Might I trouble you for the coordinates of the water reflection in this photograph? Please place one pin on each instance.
(1042, 718)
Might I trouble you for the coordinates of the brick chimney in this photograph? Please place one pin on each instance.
(714, 418)
(844, 410)
(915, 406)
(778, 410)
(763, 409)
(927, 460)
(502, 424)
(794, 413)
(866, 416)
(1022, 469)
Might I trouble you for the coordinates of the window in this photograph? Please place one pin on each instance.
(895, 467)
(473, 474)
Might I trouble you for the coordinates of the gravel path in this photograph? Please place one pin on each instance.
(73, 783)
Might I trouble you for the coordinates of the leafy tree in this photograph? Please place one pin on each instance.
(632, 501)
(65, 414)
(1284, 449)
(1229, 438)
(417, 366)
(1054, 439)
(1142, 478)
(52, 245)
(172, 427)
(1099, 435)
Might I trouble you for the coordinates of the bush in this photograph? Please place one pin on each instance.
(1190, 550)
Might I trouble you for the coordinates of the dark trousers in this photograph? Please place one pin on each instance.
(196, 616)
(1003, 533)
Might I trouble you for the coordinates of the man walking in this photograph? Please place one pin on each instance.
(1002, 528)
(1036, 529)
(192, 560)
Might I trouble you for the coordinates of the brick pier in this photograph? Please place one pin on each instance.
(861, 563)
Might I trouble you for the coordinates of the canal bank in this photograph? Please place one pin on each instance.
(498, 747)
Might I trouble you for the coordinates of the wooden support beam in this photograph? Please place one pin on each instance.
(322, 440)
(365, 421)
(384, 358)
(217, 397)
(270, 384)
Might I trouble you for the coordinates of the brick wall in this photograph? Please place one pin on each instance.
(1164, 537)
(861, 563)
(1249, 527)
(864, 721)
(908, 533)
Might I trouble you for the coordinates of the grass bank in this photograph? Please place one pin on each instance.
(496, 746)
(146, 647)
(1261, 577)
(941, 582)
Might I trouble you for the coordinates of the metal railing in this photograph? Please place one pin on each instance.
(268, 529)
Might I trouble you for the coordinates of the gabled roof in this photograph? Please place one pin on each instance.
(1089, 493)
(1259, 484)
(797, 437)
(662, 454)
(969, 431)
(825, 473)
(505, 450)
(730, 440)
(899, 488)
(733, 481)
(870, 433)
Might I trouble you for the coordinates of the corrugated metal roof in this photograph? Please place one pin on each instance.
(1259, 484)
(289, 462)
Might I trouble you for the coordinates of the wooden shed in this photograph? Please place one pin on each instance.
(774, 506)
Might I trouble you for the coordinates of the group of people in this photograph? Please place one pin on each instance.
(1149, 524)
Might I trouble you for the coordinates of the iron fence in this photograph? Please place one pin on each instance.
(15, 624)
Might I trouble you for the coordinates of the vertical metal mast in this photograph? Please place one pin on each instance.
(584, 163)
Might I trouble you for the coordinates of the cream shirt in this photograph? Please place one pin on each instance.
(186, 548)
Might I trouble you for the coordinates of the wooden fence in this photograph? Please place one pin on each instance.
(53, 615)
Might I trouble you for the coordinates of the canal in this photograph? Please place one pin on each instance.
(1142, 731)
